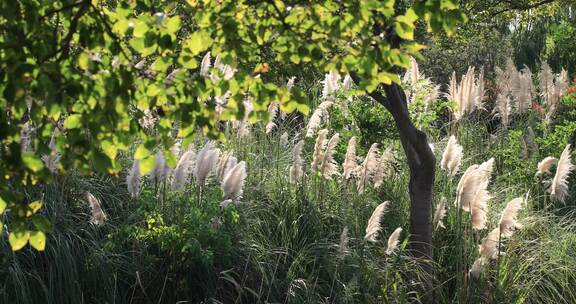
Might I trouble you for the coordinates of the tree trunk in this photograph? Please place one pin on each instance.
(422, 164)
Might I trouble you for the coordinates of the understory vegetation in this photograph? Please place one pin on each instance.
(276, 216)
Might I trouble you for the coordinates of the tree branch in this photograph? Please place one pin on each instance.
(65, 47)
(514, 6)
(63, 8)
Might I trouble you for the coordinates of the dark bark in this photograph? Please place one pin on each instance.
(422, 165)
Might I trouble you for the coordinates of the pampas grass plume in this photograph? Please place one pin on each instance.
(98, 217)
(546, 164)
(373, 226)
(233, 183)
(393, 241)
(559, 185)
(507, 221)
(351, 160)
(183, 170)
(439, 214)
(205, 162)
(452, 157)
(329, 166)
(133, 179)
(319, 148)
(296, 171)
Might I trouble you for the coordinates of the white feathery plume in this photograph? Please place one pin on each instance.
(289, 86)
(559, 185)
(272, 111)
(183, 170)
(467, 94)
(296, 171)
(523, 91)
(243, 126)
(479, 204)
(319, 117)
(373, 226)
(472, 186)
(351, 160)
(503, 109)
(546, 83)
(452, 157)
(369, 165)
(331, 85)
(205, 65)
(466, 188)
(225, 163)
(453, 88)
(25, 137)
(133, 179)
(477, 267)
(148, 120)
(347, 82)
(508, 222)
(384, 167)
(159, 173)
(290, 83)
(221, 102)
(432, 95)
(479, 208)
(329, 167)
(343, 245)
(284, 140)
(467, 91)
(205, 162)
(319, 148)
(393, 241)
(97, 217)
(175, 149)
(546, 164)
(561, 83)
(479, 90)
(439, 214)
(51, 160)
(233, 183)
(225, 69)
(412, 74)
(489, 248)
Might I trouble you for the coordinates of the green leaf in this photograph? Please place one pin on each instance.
(198, 42)
(140, 29)
(3, 205)
(147, 165)
(161, 64)
(32, 162)
(18, 239)
(187, 61)
(109, 149)
(33, 207)
(84, 61)
(38, 240)
(142, 152)
(404, 24)
(73, 122)
(173, 24)
(153, 90)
